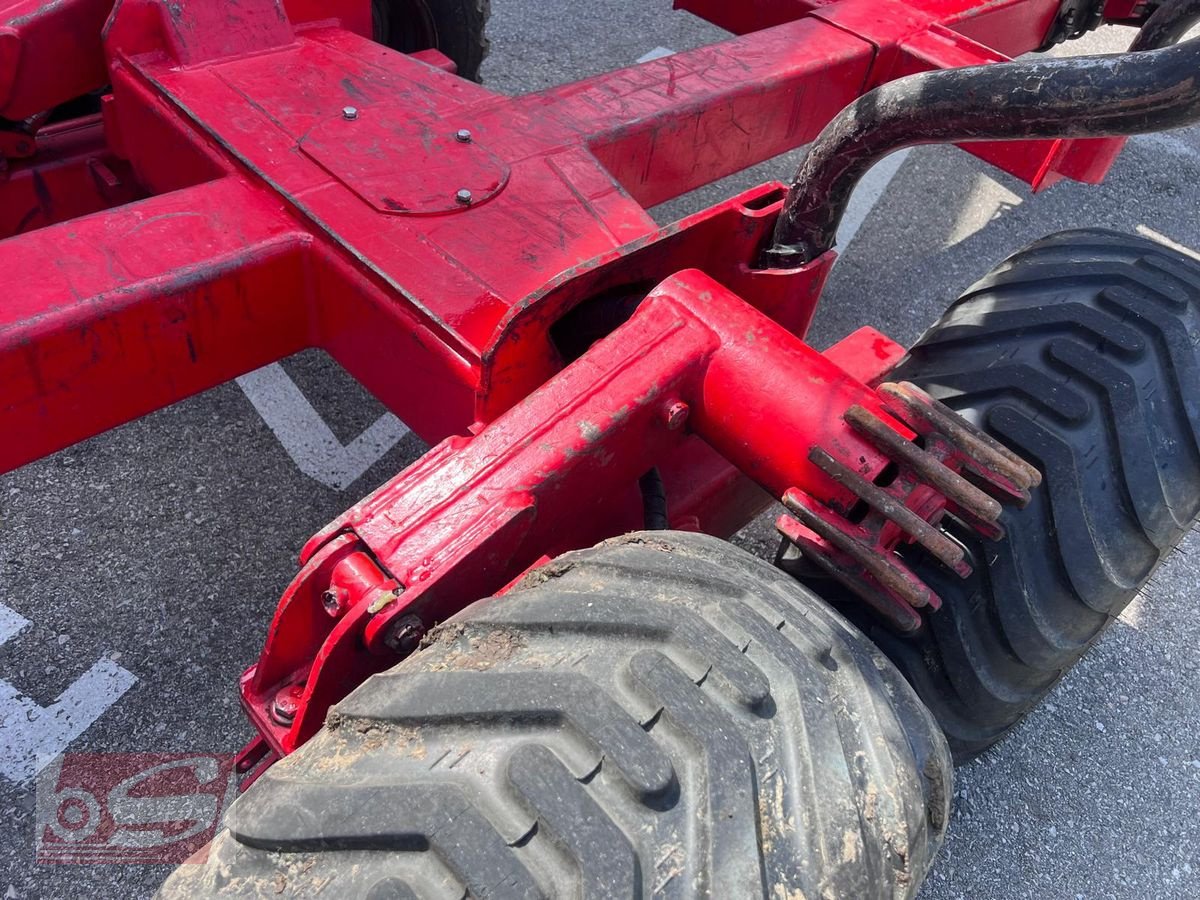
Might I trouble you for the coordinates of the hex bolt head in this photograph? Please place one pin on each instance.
(286, 704)
(405, 634)
(463, 136)
(463, 196)
(676, 415)
(350, 113)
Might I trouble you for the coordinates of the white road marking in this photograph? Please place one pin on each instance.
(656, 53)
(1147, 231)
(11, 624)
(310, 443)
(987, 199)
(869, 192)
(31, 736)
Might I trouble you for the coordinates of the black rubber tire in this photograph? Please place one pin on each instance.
(458, 28)
(1080, 353)
(662, 715)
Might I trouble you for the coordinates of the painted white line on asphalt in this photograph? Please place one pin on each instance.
(310, 443)
(11, 624)
(985, 201)
(870, 191)
(31, 736)
(656, 53)
(1147, 231)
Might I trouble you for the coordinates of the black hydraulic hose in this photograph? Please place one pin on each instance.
(1166, 25)
(1088, 96)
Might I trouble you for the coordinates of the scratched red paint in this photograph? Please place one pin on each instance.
(223, 212)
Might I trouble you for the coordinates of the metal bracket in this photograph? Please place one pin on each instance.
(1075, 19)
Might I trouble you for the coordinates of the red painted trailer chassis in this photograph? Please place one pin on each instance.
(263, 178)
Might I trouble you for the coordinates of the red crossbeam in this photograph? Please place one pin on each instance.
(442, 308)
(212, 275)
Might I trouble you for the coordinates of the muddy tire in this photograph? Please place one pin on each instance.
(1080, 353)
(458, 28)
(662, 715)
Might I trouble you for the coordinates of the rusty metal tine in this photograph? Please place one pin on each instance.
(884, 568)
(925, 465)
(901, 616)
(993, 531)
(940, 446)
(945, 413)
(879, 500)
(971, 440)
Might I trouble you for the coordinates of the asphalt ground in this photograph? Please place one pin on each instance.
(160, 550)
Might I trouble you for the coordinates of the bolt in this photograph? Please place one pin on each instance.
(405, 634)
(462, 136)
(286, 704)
(350, 113)
(677, 414)
(463, 196)
(334, 602)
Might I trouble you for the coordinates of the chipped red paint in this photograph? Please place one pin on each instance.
(262, 178)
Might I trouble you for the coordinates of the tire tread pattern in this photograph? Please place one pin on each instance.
(664, 715)
(1080, 353)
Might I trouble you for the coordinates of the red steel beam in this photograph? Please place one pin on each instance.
(75, 174)
(671, 125)
(919, 35)
(406, 303)
(404, 286)
(558, 206)
(112, 316)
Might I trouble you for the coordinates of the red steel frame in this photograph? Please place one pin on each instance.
(262, 180)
